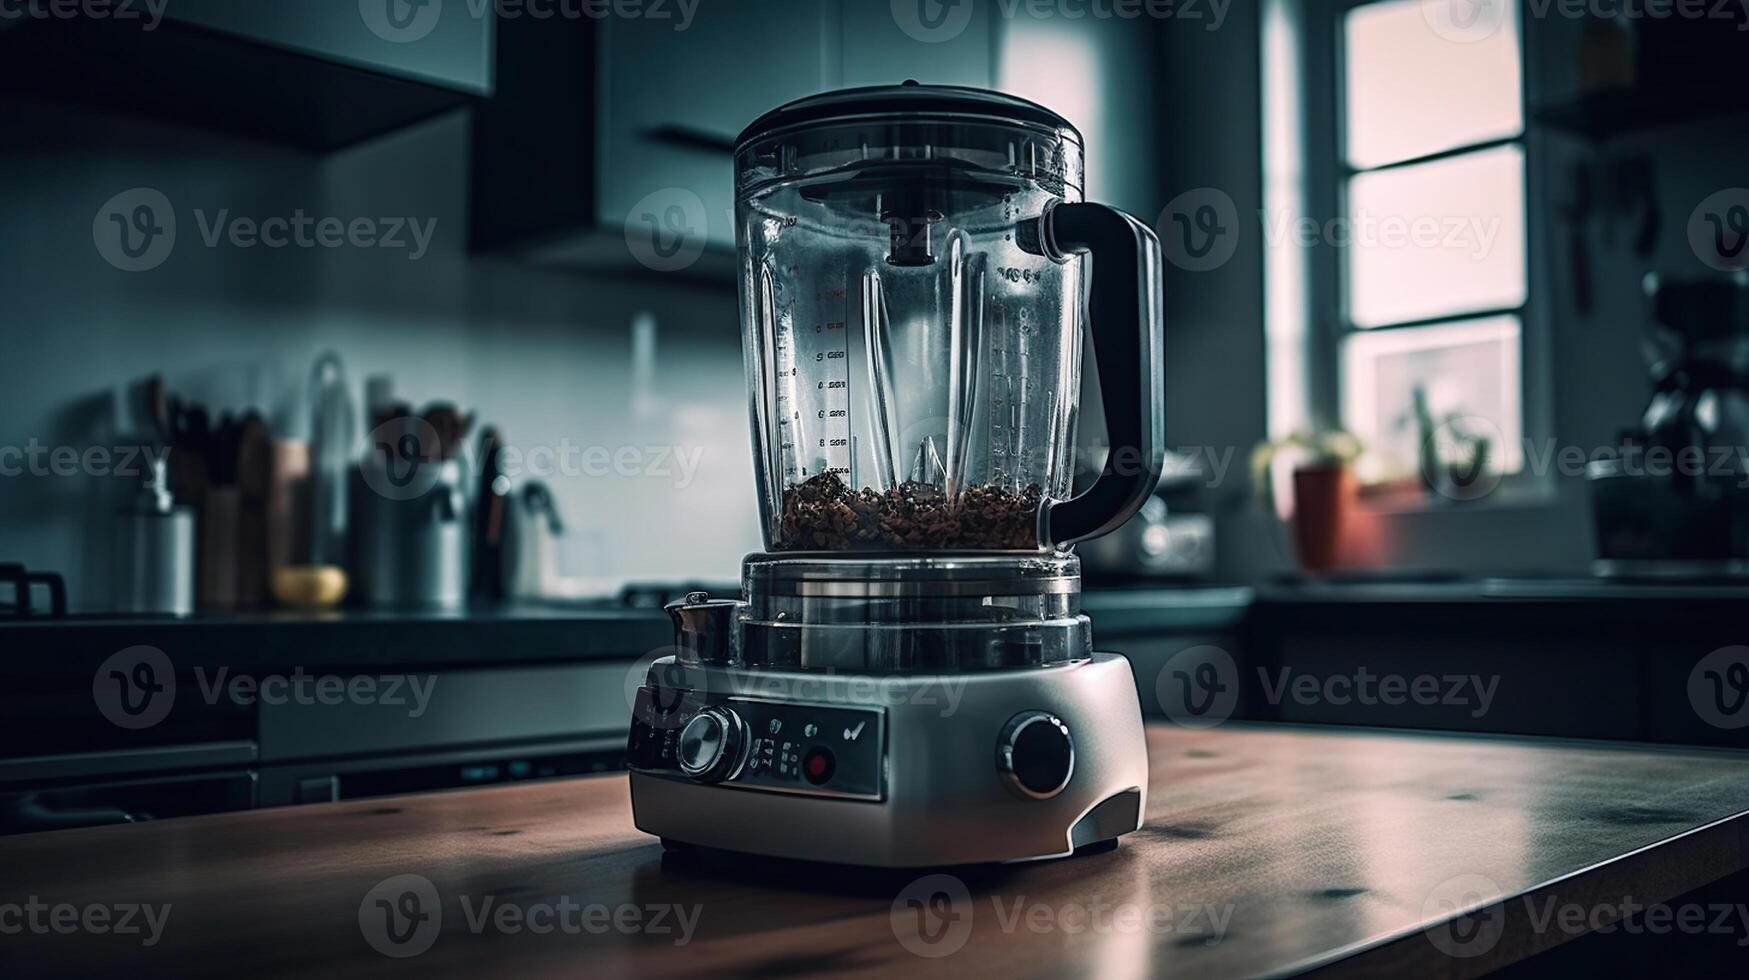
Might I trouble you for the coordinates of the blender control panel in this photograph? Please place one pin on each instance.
(759, 744)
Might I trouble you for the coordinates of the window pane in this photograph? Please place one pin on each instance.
(1438, 238)
(1425, 77)
(1468, 374)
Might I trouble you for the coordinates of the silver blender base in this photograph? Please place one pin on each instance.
(917, 773)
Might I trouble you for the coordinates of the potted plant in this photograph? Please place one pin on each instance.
(1324, 489)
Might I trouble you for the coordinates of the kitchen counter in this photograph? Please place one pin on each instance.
(1266, 850)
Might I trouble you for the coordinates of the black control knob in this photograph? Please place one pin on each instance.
(712, 744)
(1035, 754)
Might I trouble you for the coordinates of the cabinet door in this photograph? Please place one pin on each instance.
(444, 44)
(936, 42)
(674, 95)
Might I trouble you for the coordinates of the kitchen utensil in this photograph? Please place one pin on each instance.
(410, 525)
(333, 447)
(254, 465)
(915, 264)
(154, 549)
(491, 503)
(288, 505)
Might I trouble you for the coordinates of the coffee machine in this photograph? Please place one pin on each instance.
(906, 679)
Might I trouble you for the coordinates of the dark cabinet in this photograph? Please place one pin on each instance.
(316, 74)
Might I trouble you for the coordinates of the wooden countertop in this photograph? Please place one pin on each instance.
(1267, 850)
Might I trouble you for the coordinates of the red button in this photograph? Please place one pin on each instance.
(818, 765)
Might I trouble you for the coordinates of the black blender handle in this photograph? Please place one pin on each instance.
(1124, 316)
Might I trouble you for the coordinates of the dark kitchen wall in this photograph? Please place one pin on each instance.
(556, 360)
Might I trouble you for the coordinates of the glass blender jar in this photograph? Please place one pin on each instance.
(911, 293)
(917, 273)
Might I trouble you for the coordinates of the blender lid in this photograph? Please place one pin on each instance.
(909, 98)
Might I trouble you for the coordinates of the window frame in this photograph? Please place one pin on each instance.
(1327, 173)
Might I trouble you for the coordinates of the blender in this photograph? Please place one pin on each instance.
(907, 679)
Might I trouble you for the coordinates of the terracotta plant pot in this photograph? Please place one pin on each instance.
(1324, 496)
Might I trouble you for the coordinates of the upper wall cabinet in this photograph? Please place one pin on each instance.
(317, 74)
(609, 142)
(673, 100)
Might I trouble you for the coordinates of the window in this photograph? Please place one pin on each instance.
(1430, 279)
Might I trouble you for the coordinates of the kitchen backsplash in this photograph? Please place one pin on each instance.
(572, 370)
